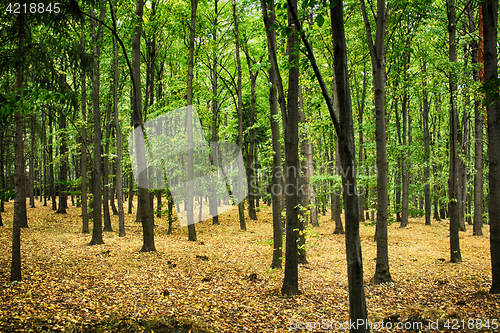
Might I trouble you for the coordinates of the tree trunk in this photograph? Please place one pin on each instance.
(63, 165)
(377, 53)
(291, 279)
(85, 218)
(490, 15)
(274, 78)
(425, 120)
(190, 172)
(144, 209)
(20, 217)
(118, 179)
(51, 159)
(96, 113)
(105, 174)
(31, 182)
(478, 135)
(241, 206)
(357, 302)
(453, 193)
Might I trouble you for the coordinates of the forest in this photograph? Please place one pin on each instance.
(249, 166)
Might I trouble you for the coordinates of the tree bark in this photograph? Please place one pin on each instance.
(274, 78)
(83, 166)
(377, 54)
(291, 279)
(20, 217)
(241, 205)
(425, 120)
(96, 113)
(453, 192)
(478, 136)
(118, 179)
(190, 172)
(490, 16)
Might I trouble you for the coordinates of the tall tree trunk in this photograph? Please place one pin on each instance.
(291, 279)
(241, 205)
(453, 193)
(105, 174)
(490, 16)
(335, 196)
(118, 179)
(63, 165)
(215, 115)
(425, 120)
(377, 53)
(83, 166)
(145, 214)
(478, 135)
(361, 108)
(190, 172)
(405, 167)
(31, 182)
(20, 217)
(357, 302)
(51, 159)
(252, 189)
(275, 79)
(96, 113)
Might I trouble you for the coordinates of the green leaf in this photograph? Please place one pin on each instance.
(320, 20)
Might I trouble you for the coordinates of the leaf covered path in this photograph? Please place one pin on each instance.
(223, 281)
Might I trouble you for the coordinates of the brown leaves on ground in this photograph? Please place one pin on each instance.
(223, 281)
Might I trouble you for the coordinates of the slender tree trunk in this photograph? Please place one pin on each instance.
(63, 166)
(96, 113)
(361, 108)
(51, 159)
(274, 78)
(215, 115)
(453, 193)
(377, 53)
(20, 217)
(190, 172)
(490, 16)
(357, 302)
(241, 205)
(291, 279)
(425, 119)
(252, 189)
(336, 207)
(83, 166)
(105, 174)
(31, 182)
(144, 209)
(478, 135)
(118, 179)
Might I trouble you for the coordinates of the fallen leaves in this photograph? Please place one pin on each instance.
(223, 281)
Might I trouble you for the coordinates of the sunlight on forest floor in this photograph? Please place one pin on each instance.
(223, 281)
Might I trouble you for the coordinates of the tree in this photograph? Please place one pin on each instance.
(144, 209)
(291, 279)
(241, 205)
(478, 135)
(490, 16)
(118, 162)
(276, 84)
(85, 218)
(453, 193)
(20, 217)
(96, 168)
(377, 54)
(190, 172)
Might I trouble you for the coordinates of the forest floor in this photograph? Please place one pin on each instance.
(223, 282)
